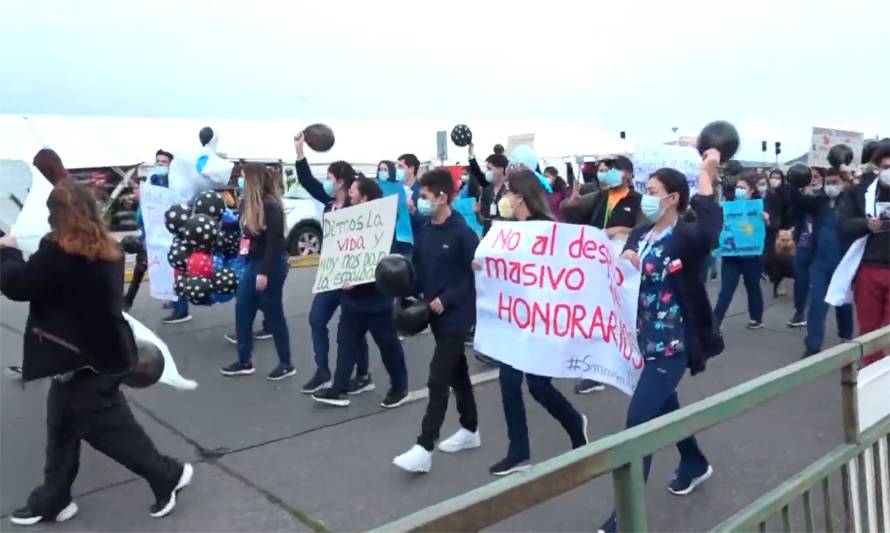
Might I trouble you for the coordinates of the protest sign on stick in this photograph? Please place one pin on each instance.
(155, 201)
(355, 240)
(744, 230)
(554, 300)
(648, 159)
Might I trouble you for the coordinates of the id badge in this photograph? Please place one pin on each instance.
(244, 246)
(493, 209)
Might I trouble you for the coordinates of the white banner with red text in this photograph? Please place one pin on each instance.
(554, 300)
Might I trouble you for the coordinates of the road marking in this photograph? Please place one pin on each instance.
(475, 379)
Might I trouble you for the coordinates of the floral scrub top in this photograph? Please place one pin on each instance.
(659, 317)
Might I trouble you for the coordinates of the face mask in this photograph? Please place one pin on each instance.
(383, 175)
(762, 189)
(400, 175)
(241, 183)
(610, 178)
(884, 176)
(833, 191)
(651, 207)
(775, 183)
(504, 207)
(741, 194)
(425, 207)
(489, 176)
(161, 170)
(464, 178)
(329, 188)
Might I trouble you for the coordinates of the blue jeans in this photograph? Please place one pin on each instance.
(181, 306)
(802, 260)
(656, 395)
(324, 305)
(248, 301)
(749, 269)
(820, 277)
(543, 391)
(351, 333)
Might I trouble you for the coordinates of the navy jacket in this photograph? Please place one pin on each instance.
(444, 270)
(691, 243)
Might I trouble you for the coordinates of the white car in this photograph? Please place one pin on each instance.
(302, 222)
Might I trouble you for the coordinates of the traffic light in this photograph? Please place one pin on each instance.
(763, 146)
(778, 148)
(621, 134)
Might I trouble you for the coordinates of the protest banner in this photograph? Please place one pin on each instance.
(355, 240)
(466, 208)
(566, 304)
(824, 138)
(648, 159)
(404, 233)
(155, 201)
(744, 230)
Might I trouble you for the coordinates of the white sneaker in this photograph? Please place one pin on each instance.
(416, 460)
(463, 439)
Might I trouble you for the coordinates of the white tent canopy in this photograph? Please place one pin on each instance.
(87, 141)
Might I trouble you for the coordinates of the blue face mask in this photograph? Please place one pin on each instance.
(383, 175)
(651, 207)
(241, 183)
(832, 191)
(610, 178)
(329, 188)
(400, 175)
(741, 194)
(425, 207)
(161, 170)
(489, 176)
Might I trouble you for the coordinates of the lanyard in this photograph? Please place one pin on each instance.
(648, 244)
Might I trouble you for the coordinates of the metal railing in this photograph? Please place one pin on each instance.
(622, 455)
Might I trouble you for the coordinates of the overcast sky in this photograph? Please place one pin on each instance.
(774, 68)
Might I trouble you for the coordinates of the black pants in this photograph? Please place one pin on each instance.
(448, 369)
(138, 273)
(90, 407)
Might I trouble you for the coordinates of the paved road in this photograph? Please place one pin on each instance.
(291, 464)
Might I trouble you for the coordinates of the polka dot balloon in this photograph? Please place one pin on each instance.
(210, 203)
(198, 290)
(176, 217)
(178, 254)
(225, 281)
(200, 232)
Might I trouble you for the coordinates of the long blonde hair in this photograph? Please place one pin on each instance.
(259, 185)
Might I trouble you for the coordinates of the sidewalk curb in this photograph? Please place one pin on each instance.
(295, 262)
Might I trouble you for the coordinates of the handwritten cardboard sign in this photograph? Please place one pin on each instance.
(355, 240)
(155, 201)
(564, 300)
(744, 230)
(648, 159)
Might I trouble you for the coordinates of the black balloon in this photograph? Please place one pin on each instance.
(225, 281)
(840, 154)
(210, 203)
(131, 244)
(319, 137)
(179, 285)
(197, 289)
(176, 217)
(498, 148)
(461, 135)
(178, 254)
(228, 243)
(149, 366)
(200, 232)
(410, 316)
(395, 276)
(720, 135)
(799, 176)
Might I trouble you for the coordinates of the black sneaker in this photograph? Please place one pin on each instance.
(470, 339)
(331, 397)
(15, 369)
(755, 324)
(507, 466)
(177, 318)
(163, 508)
(682, 487)
(586, 386)
(26, 517)
(394, 399)
(320, 380)
(609, 526)
(360, 384)
(281, 372)
(237, 369)
(797, 321)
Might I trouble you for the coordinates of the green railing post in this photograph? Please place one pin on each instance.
(630, 496)
(850, 406)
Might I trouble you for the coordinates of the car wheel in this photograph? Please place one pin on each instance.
(305, 241)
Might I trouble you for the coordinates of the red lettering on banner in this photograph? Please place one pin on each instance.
(613, 323)
(528, 314)
(583, 248)
(579, 279)
(507, 239)
(545, 244)
(598, 323)
(504, 308)
(530, 274)
(567, 311)
(579, 313)
(351, 244)
(544, 313)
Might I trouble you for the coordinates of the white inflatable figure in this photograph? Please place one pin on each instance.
(194, 172)
(32, 223)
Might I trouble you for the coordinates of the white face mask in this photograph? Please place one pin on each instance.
(884, 176)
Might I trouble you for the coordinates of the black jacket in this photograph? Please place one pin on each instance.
(444, 268)
(853, 214)
(314, 187)
(777, 203)
(268, 246)
(488, 198)
(75, 318)
(692, 243)
(591, 209)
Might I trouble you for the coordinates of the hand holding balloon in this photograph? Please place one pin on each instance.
(708, 173)
(299, 145)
